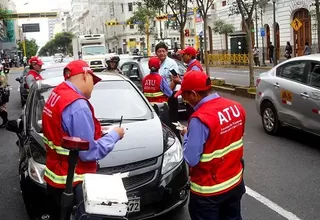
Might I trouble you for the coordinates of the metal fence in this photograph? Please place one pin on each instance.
(227, 59)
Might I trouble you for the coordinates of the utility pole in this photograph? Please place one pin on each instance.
(318, 23)
(257, 35)
(275, 60)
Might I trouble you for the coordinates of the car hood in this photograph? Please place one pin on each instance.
(142, 140)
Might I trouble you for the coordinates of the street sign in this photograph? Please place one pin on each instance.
(27, 28)
(262, 32)
(296, 24)
(201, 34)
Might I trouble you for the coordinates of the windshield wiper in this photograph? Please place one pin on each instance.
(118, 120)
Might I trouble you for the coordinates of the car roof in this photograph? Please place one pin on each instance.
(54, 81)
(315, 57)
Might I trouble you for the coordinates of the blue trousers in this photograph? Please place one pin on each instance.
(226, 206)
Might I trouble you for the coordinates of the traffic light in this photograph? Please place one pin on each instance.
(112, 23)
(162, 17)
(186, 32)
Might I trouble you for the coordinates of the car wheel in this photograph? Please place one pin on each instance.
(270, 121)
(26, 194)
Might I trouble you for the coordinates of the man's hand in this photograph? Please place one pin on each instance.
(176, 79)
(184, 130)
(120, 131)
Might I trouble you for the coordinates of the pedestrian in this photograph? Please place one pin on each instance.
(157, 90)
(68, 112)
(256, 56)
(189, 57)
(271, 51)
(213, 149)
(34, 73)
(4, 99)
(307, 49)
(288, 50)
(168, 64)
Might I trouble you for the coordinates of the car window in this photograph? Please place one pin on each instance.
(293, 71)
(135, 70)
(314, 75)
(110, 100)
(126, 68)
(29, 107)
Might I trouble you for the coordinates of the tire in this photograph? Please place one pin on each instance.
(270, 120)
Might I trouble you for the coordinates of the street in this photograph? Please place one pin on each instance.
(282, 173)
(237, 76)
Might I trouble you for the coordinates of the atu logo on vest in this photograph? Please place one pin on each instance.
(226, 117)
(53, 99)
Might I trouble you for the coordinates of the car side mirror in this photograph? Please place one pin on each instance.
(134, 78)
(18, 79)
(15, 126)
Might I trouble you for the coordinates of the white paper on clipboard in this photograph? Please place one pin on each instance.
(107, 129)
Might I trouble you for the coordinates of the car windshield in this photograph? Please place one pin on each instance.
(93, 50)
(111, 100)
(52, 72)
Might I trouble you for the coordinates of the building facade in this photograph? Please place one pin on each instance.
(286, 11)
(63, 22)
(76, 11)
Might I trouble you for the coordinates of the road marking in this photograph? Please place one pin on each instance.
(273, 206)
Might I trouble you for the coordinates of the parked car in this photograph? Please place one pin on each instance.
(49, 71)
(136, 70)
(289, 95)
(154, 172)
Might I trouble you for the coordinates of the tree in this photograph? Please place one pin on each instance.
(143, 17)
(61, 43)
(4, 14)
(31, 47)
(203, 8)
(246, 8)
(221, 27)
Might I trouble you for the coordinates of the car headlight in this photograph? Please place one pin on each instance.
(36, 171)
(173, 155)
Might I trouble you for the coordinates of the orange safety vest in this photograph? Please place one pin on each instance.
(220, 168)
(57, 157)
(151, 88)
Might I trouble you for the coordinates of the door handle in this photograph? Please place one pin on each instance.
(304, 95)
(276, 85)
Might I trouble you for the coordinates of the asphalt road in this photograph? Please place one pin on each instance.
(237, 76)
(284, 171)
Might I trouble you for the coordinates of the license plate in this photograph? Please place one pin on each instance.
(134, 205)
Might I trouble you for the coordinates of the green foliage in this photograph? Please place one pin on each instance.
(221, 27)
(143, 16)
(31, 47)
(61, 43)
(4, 14)
(154, 4)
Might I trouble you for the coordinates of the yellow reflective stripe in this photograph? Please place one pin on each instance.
(58, 149)
(154, 94)
(218, 187)
(61, 179)
(222, 152)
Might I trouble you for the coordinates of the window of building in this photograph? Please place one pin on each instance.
(130, 7)
(212, 6)
(131, 26)
(224, 3)
(122, 8)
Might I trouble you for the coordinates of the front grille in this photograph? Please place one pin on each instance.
(138, 180)
(97, 62)
(128, 167)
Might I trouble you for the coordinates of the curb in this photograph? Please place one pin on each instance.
(243, 67)
(220, 85)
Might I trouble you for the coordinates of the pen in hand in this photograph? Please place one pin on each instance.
(120, 121)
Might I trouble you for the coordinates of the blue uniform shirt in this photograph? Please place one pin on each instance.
(77, 121)
(196, 136)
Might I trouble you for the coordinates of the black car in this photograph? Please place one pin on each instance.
(149, 157)
(136, 70)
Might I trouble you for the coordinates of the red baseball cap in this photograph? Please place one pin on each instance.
(154, 62)
(78, 67)
(35, 60)
(194, 80)
(189, 50)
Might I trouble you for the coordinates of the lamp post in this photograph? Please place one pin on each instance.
(257, 35)
(275, 60)
(262, 5)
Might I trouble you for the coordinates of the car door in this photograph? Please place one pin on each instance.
(287, 89)
(311, 98)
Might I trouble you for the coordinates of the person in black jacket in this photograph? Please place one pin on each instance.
(288, 51)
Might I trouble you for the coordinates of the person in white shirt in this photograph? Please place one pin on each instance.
(168, 64)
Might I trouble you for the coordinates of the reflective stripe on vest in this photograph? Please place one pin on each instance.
(222, 152)
(218, 187)
(58, 149)
(153, 95)
(61, 179)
